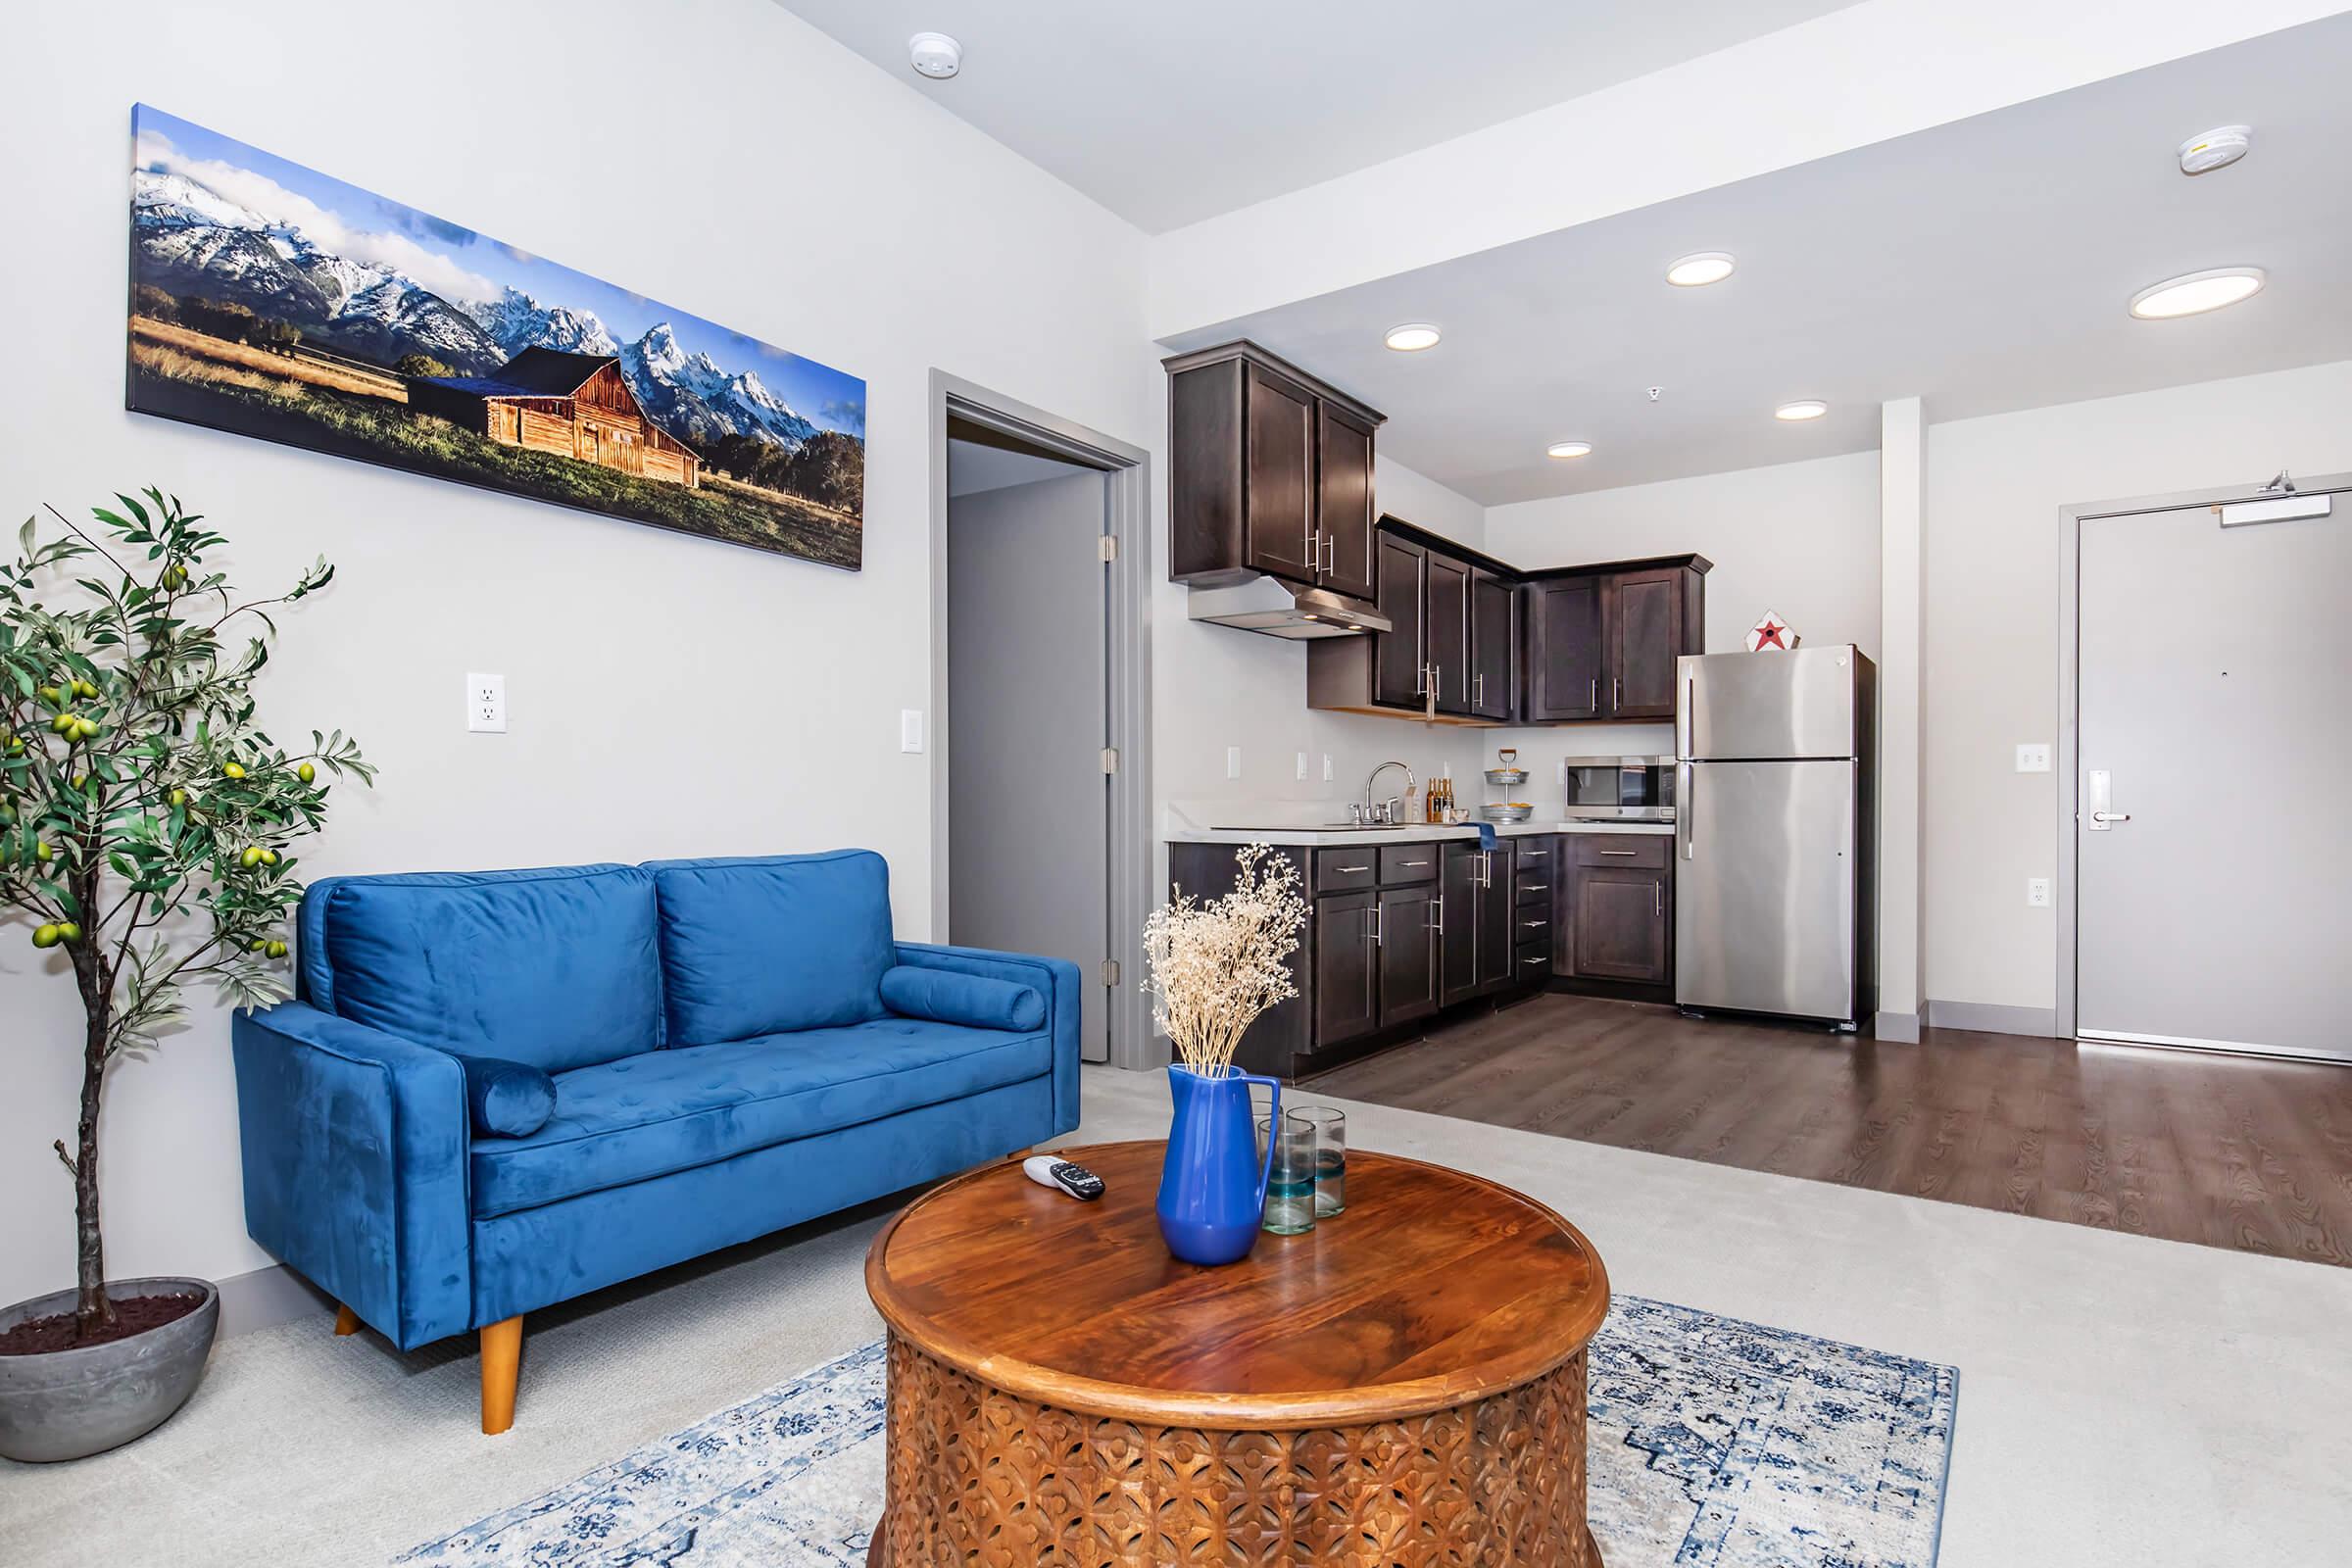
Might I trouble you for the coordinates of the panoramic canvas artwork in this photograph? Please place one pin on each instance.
(273, 300)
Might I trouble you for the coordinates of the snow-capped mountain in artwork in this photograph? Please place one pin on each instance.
(696, 400)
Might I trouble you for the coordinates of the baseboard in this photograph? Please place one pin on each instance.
(1900, 1027)
(1995, 1018)
(268, 1296)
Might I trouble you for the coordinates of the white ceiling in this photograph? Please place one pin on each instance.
(973, 467)
(1168, 114)
(1985, 265)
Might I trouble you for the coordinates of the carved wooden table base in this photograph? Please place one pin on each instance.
(980, 1478)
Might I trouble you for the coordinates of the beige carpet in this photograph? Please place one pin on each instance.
(2122, 1400)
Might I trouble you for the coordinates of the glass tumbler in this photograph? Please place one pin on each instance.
(1290, 1177)
(1331, 1157)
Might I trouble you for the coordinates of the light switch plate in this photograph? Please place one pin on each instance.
(2037, 893)
(486, 703)
(1303, 767)
(2033, 756)
(1233, 762)
(910, 729)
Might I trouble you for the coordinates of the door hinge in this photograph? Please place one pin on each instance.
(1110, 758)
(1110, 971)
(1107, 547)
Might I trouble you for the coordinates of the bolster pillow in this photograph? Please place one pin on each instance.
(507, 1099)
(947, 996)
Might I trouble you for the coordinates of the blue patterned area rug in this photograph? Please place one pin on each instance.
(1715, 1442)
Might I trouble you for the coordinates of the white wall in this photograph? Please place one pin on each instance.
(1797, 538)
(671, 695)
(1994, 489)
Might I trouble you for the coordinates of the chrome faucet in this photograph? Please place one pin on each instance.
(1388, 812)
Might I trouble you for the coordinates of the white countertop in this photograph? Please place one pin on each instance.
(1415, 832)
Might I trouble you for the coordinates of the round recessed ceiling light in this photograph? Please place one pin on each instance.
(1412, 337)
(2198, 292)
(1568, 449)
(1700, 268)
(1802, 409)
(935, 55)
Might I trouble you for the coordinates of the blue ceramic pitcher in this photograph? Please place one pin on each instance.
(1210, 1197)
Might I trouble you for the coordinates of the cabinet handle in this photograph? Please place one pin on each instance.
(1478, 690)
(1534, 855)
(1372, 924)
(1412, 863)
(1657, 899)
(1367, 868)
(1534, 887)
(1616, 692)
(1535, 925)
(1437, 915)
(1485, 868)
(1593, 698)
(1314, 550)
(1420, 680)
(1628, 854)
(1437, 680)
(1331, 552)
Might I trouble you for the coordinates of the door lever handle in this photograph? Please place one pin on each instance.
(2111, 816)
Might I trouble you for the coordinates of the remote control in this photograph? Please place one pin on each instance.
(1063, 1177)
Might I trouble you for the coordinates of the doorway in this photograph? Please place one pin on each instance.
(1041, 781)
(2204, 853)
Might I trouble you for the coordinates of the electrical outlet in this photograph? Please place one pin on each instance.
(2033, 756)
(486, 703)
(910, 729)
(1233, 762)
(2037, 893)
(1301, 767)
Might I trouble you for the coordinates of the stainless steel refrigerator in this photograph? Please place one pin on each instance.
(1775, 834)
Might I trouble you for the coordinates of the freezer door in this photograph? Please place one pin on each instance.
(1764, 888)
(1736, 705)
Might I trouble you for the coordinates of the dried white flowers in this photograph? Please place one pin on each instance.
(1215, 967)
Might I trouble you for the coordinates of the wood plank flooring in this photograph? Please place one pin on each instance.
(2224, 1151)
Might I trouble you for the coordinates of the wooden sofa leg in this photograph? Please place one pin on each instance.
(502, 1359)
(346, 1320)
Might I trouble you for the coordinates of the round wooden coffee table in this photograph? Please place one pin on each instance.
(1403, 1386)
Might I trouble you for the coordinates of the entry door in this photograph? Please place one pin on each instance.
(2216, 734)
(1029, 804)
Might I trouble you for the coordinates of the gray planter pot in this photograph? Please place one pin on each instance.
(69, 1404)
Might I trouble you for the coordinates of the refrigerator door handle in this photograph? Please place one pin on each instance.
(1687, 840)
(1684, 718)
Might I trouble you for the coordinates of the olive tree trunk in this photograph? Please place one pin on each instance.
(93, 1309)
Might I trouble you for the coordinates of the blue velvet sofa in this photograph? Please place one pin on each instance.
(732, 1047)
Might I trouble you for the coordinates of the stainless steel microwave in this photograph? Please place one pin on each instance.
(1618, 789)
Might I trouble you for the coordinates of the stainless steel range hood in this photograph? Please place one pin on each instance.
(1275, 607)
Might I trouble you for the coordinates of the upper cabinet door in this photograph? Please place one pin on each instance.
(1566, 659)
(1278, 474)
(1448, 634)
(1645, 616)
(1490, 660)
(1343, 501)
(1399, 658)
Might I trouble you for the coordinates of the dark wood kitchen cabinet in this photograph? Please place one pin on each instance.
(1494, 644)
(1445, 611)
(1616, 920)
(1406, 935)
(1270, 471)
(1400, 657)
(1347, 991)
(1603, 642)
(1478, 949)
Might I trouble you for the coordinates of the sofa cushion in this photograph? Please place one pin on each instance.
(973, 999)
(669, 1110)
(556, 969)
(768, 946)
(507, 1099)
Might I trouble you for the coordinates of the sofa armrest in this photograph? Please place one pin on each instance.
(355, 1147)
(1054, 979)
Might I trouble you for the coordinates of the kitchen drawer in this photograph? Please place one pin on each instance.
(1647, 850)
(1409, 862)
(1534, 884)
(1534, 964)
(1531, 924)
(1348, 869)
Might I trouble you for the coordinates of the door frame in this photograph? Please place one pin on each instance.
(1127, 518)
(2066, 765)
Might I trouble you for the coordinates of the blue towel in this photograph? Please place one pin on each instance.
(1485, 836)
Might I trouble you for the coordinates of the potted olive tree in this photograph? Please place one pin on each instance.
(145, 842)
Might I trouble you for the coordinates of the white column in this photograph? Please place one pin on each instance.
(1902, 582)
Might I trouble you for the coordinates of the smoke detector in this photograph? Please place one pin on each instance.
(935, 55)
(2218, 148)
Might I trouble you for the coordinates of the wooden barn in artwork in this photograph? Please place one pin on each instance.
(576, 405)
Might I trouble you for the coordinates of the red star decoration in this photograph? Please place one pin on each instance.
(1768, 635)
